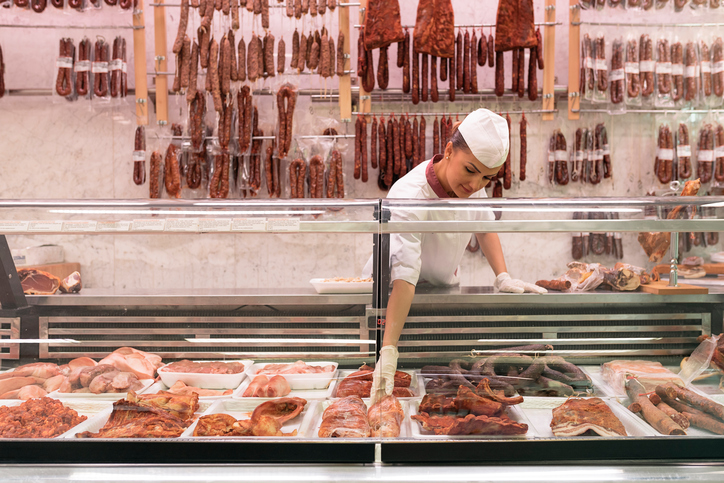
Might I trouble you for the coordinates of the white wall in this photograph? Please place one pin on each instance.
(51, 148)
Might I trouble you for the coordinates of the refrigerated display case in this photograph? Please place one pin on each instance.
(282, 324)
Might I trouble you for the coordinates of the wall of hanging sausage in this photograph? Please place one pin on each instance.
(252, 108)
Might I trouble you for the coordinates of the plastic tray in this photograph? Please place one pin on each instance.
(513, 413)
(95, 423)
(242, 409)
(340, 287)
(417, 384)
(539, 411)
(302, 381)
(160, 386)
(206, 381)
(323, 405)
(106, 396)
(86, 407)
(308, 394)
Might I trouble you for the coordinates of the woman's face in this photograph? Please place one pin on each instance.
(465, 174)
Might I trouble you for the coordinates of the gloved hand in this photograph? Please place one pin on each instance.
(503, 283)
(383, 379)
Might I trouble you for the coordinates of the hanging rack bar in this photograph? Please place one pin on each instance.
(83, 27)
(310, 136)
(270, 5)
(477, 25)
(654, 111)
(397, 113)
(647, 24)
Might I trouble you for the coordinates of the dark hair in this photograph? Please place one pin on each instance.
(457, 139)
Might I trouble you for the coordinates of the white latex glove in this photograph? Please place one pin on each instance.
(383, 379)
(503, 283)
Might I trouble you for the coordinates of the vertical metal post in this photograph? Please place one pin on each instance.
(380, 273)
(674, 270)
(11, 292)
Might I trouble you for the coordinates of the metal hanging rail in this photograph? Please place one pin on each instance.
(653, 111)
(480, 25)
(532, 111)
(80, 27)
(647, 24)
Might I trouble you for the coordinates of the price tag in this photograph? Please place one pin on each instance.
(124, 67)
(7, 226)
(116, 64)
(139, 156)
(690, 71)
(718, 67)
(606, 150)
(110, 226)
(683, 151)
(677, 69)
(665, 154)
(601, 64)
(706, 67)
(82, 66)
(580, 156)
(45, 226)
(214, 225)
(283, 224)
(589, 63)
(719, 152)
(561, 156)
(706, 155)
(599, 154)
(663, 67)
(631, 67)
(148, 225)
(646, 66)
(617, 75)
(249, 224)
(99, 67)
(182, 224)
(64, 62)
(76, 226)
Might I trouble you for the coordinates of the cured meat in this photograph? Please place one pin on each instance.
(649, 373)
(72, 283)
(434, 28)
(37, 418)
(182, 407)
(226, 425)
(345, 418)
(282, 409)
(470, 424)
(382, 24)
(299, 367)
(205, 367)
(578, 415)
(514, 25)
(470, 402)
(38, 282)
(133, 420)
(385, 418)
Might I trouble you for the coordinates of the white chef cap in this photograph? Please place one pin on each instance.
(486, 134)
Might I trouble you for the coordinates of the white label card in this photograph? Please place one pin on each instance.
(666, 154)
(677, 69)
(64, 62)
(561, 156)
(99, 67)
(182, 224)
(646, 66)
(139, 155)
(706, 67)
(82, 66)
(683, 151)
(79, 226)
(718, 67)
(214, 225)
(249, 224)
(719, 152)
(631, 67)
(706, 156)
(13, 226)
(105, 226)
(601, 64)
(617, 75)
(690, 71)
(45, 226)
(148, 225)
(282, 224)
(663, 67)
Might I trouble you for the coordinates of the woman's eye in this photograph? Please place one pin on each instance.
(469, 170)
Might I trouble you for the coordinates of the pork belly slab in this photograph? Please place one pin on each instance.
(578, 415)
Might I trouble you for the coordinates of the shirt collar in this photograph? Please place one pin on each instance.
(432, 179)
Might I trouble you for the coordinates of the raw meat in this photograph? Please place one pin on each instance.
(299, 367)
(205, 367)
(41, 370)
(257, 387)
(283, 409)
(345, 418)
(648, 373)
(182, 389)
(385, 418)
(262, 386)
(577, 416)
(37, 282)
(470, 424)
(71, 283)
(140, 363)
(434, 28)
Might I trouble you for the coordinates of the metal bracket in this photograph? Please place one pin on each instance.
(140, 101)
(162, 122)
(550, 8)
(574, 94)
(159, 58)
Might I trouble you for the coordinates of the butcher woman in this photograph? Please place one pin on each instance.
(477, 148)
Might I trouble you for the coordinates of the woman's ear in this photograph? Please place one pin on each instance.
(448, 150)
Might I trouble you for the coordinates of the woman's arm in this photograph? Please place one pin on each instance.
(490, 245)
(398, 307)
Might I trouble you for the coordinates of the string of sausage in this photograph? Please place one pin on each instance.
(286, 100)
(297, 174)
(682, 140)
(139, 153)
(63, 83)
(197, 109)
(255, 157)
(316, 177)
(100, 79)
(269, 172)
(719, 137)
(82, 77)
(663, 168)
(244, 123)
(172, 177)
(523, 147)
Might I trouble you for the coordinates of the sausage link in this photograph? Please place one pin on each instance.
(415, 142)
(633, 79)
(607, 168)
(252, 60)
(682, 139)
(704, 168)
(473, 64)
(82, 78)
(383, 70)
(415, 75)
(561, 167)
(491, 50)
(719, 138)
(408, 141)
(225, 70)
(295, 49)
(663, 81)
(424, 78)
(482, 54)
(373, 142)
(499, 74)
(182, 24)
(507, 179)
(705, 69)
(323, 67)
(172, 176)
(466, 63)
(452, 69)
(139, 153)
(677, 79)
(369, 80)
(245, 121)
(459, 61)
(717, 77)
(665, 166)
(539, 48)
(434, 94)
(523, 146)
(617, 58)
(268, 61)
(514, 76)
(435, 136)
(521, 71)
(646, 54)
(363, 146)
(358, 148)
(281, 56)
(396, 136)
(690, 62)
(390, 141)
(601, 74)
(401, 139)
(443, 68)
(532, 76)
(154, 189)
(422, 141)
(340, 54)
(316, 175)
(406, 63)
(588, 54)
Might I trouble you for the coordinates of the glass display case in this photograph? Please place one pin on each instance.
(241, 284)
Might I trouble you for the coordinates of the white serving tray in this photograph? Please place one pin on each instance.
(242, 409)
(323, 405)
(160, 386)
(340, 287)
(308, 394)
(539, 411)
(206, 381)
(417, 383)
(89, 408)
(513, 413)
(95, 423)
(317, 380)
(106, 396)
